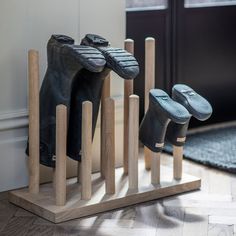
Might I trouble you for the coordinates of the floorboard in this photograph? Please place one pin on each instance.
(210, 211)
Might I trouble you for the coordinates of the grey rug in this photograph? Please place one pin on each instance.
(216, 148)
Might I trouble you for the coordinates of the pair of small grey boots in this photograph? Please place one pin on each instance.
(168, 118)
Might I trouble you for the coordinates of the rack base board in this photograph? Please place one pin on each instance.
(43, 204)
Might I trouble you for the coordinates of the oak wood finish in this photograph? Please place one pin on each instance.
(178, 160)
(156, 168)
(33, 74)
(86, 148)
(128, 90)
(60, 171)
(106, 92)
(43, 204)
(109, 111)
(211, 210)
(133, 144)
(149, 84)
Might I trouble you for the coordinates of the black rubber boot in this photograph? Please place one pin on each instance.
(118, 60)
(197, 106)
(75, 74)
(88, 86)
(162, 109)
(67, 63)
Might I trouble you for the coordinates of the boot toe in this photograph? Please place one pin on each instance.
(173, 110)
(198, 106)
(90, 58)
(122, 62)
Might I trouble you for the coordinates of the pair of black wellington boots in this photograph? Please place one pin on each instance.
(168, 118)
(75, 74)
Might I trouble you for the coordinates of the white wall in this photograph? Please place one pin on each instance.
(28, 24)
(106, 18)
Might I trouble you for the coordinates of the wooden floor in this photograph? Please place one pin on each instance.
(211, 211)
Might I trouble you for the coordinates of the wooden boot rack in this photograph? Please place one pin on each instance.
(113, 188)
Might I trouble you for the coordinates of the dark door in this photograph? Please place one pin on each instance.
(196, 45)
(142, 23)
(205, 53)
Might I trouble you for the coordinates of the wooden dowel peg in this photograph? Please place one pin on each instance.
(128, 90)
(110, 145)
(149, 68)
(149, 84)
(79, 172)
(129, 46)
(33, 76)
(178, 161)
(147, 158)
(155, 167)
(60, 172)
(54, 179)
(86, 147)
(133, 141)
(106, 92)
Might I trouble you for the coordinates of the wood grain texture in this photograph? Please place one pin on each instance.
(43, 204)
(86, 148)
(148, 154)
(218, 230)
(178, 160)
(170, 221)
(128, 90)
(192, 213)
(133, 141)
(109, 111)
(146, 215)
(192, 222)
(149, 84)
(60, 171)
(33, 77)
(106, 92)
(156, 168)
(149, 68)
